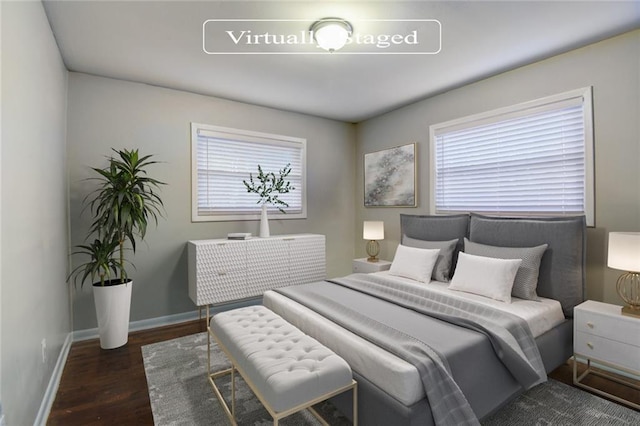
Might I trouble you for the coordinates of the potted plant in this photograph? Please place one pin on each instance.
(268, 189)
(122, 206)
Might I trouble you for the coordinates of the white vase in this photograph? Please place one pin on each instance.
(264, 222)
(113, 304)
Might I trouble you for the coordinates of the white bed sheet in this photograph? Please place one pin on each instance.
(390, 373)
(541, 315)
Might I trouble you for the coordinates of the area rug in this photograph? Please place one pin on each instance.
(181, 395)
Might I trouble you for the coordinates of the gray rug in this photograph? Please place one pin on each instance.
(181, 395)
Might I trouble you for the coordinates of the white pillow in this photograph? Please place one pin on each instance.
(414, 263)
(485, 276)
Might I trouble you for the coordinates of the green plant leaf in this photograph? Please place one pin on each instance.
(270, 186)
(120, 205)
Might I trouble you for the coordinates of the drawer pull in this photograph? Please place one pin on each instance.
(590, 324)
(222, 273)
(590, 345)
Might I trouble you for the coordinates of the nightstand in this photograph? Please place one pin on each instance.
(603, 335)
(363, 266)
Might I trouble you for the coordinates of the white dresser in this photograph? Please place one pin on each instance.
(221, 271)
(606, 337)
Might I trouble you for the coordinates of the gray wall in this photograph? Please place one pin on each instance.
(105, 113)
(612, 67)
(34, 230)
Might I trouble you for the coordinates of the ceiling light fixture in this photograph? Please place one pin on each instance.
(331, 33)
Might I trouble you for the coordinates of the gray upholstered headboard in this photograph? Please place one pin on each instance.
(562, 269)
(435, 228)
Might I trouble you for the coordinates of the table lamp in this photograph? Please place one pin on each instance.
(373, 231)
(624, 254)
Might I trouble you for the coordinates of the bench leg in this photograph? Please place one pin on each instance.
(233, 391)
(230, 413)
(208, 343)
(355, 403)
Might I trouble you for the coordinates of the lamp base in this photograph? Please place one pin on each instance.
(628, 287)
(630, 311)
(373, 249)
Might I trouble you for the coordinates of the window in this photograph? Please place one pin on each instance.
(534, 158)
(222, 158)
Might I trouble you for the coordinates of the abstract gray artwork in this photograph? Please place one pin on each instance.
(390, 177)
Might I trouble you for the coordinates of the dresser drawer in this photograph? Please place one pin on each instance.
(221, 258)
(619, 328)
(610, 351)
(222, 286)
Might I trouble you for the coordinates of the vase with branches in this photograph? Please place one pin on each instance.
(269, 187)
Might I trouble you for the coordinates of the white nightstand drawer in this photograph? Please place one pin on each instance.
(618, 328)
(603, 349)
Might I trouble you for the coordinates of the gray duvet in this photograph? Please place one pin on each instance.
(469, 356)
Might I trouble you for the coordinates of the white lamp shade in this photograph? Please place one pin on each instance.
(373, 230)
(331, 34)
(624, 251)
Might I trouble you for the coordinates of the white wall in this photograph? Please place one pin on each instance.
(105, 113)
(612, 67)
(35, 297)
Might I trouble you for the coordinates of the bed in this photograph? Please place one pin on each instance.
(424, 343)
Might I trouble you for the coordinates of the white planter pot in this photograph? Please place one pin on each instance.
(113, 303)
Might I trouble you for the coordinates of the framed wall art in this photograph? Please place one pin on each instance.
(390, 177)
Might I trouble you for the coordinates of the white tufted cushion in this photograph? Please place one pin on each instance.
(287, 367)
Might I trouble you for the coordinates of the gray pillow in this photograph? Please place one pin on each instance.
(562, 270)
(526, 281)
(436, 228)
(442, 268)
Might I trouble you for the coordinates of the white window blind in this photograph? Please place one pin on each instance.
(531, 159)
(223, 158)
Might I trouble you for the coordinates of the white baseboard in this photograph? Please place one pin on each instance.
(92, 333)
(52, 388)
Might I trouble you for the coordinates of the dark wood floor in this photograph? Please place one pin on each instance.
(109, 387)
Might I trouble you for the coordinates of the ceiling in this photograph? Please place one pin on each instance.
(161, 43)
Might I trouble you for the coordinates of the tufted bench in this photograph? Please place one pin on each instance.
(286, 369)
